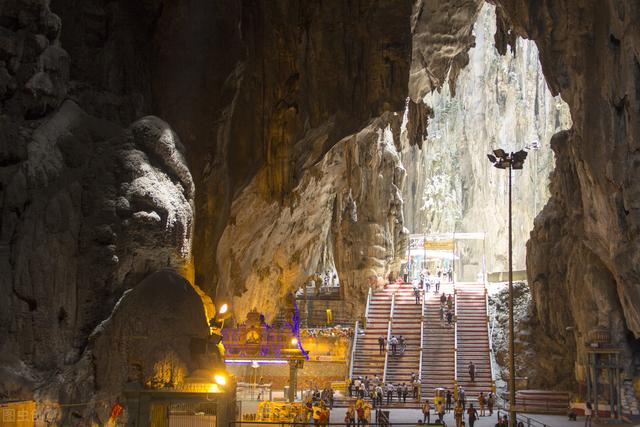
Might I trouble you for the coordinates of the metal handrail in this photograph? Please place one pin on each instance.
(386, 354)
(489, 333)
(455, 335)
(528, 421)
(353, 349)
(366, 309)
(422, 317)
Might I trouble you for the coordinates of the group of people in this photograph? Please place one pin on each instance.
(378, 391)
(427, 279)
(396, 344)
(317, 405)
(446, 309)
(460, 409)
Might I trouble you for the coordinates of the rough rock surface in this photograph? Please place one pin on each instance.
(583, 252)
(129, 349)
(347, 208)
(499, 101)
(89, 212)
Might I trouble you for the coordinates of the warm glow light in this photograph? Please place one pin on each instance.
(221, 379)
(294, 341)
(223, 308)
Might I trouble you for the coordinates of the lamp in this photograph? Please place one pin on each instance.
(512, 161)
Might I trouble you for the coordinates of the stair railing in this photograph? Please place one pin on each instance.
(354, 343)
(490, 335)
(366, 309)
(503, 405)
(422, 317)
(455, 336)
(386, 354)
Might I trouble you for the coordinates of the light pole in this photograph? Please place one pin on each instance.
(502, 160)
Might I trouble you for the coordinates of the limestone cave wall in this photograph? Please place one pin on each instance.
(287, 115)
(582, 258)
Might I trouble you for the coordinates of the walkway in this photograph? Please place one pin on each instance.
(473, 339)
(368, 361)
(438, 357)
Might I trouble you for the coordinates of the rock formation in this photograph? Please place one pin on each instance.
(347, 207)
(583, 250)
(496, 101)
(280, 104)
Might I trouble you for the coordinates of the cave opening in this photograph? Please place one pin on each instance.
(160, 159)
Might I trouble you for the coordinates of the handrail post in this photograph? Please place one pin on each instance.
(353, 349)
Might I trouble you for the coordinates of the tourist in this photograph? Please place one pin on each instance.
(317, 414)
(443, 299)
(426, 412)
(472, 372)
(440, 410)
(588, 411)
(381, 342)
(367, 415)
(450, 302)
(450, 274)
(437, 284)
(349, 416)
(448, 400)
(441, 315)
(390, 390)
(427, 284)
(379, 395)
(449, 317)
(403, 344)
(416, 388)
(394, 344)
(416, 294)
(472, 414)
(375, 380)
(439, 273)
(399, 391)
(458, 412)
(405, 273)
(405, 392)
(490, 403)
(481, 403)
(462, 398)
(331, 395)
(360, 412)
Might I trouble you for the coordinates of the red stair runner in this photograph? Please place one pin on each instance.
(473, 339)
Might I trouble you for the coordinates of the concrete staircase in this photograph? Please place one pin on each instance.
(473, 339)
(439, 354)
(405, 322)
(367, 360)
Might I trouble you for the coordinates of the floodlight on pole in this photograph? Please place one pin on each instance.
(512, 161)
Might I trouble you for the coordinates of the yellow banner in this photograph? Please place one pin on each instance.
(438, 245)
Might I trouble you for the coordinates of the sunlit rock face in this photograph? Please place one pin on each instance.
(497, 101)
(347, 208)
(582, 258)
